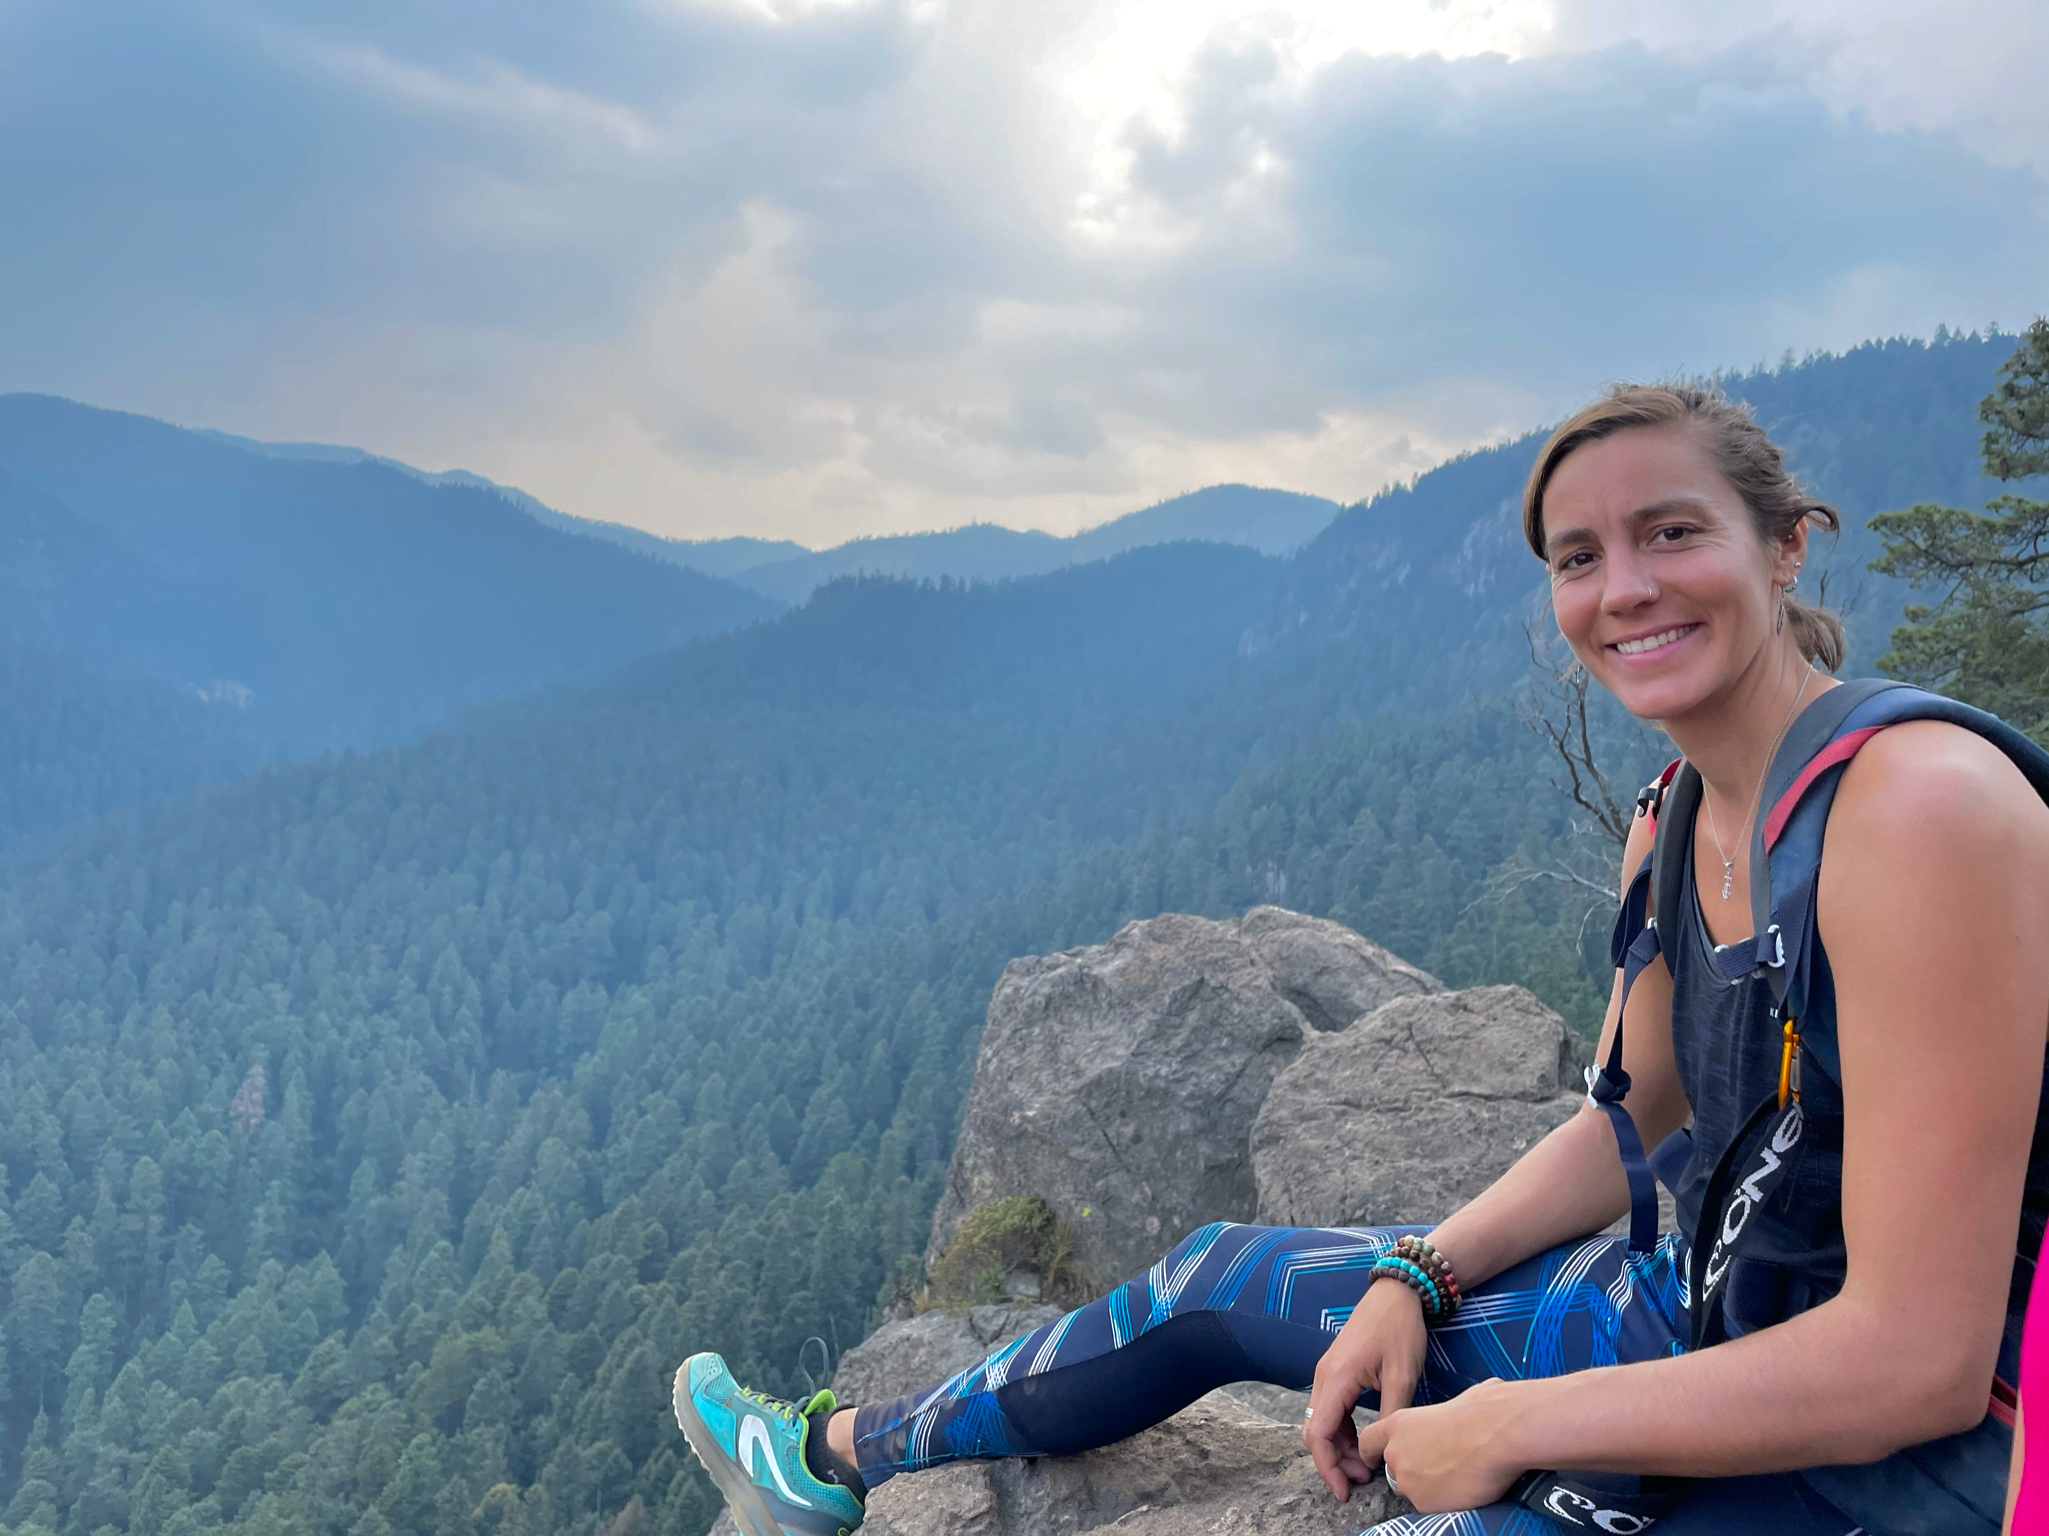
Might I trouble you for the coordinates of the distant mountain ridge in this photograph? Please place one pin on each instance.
(712, 557)
(246, 602)
(277, 605)
(1273, 522)
(179, 606)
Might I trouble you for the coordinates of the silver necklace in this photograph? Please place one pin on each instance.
(1756, 795)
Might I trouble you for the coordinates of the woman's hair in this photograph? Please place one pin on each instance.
(1748, 459)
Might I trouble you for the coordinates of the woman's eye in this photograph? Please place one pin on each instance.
(1671, 533)
(1578, 560)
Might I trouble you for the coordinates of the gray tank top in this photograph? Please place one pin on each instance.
(1727, 1045)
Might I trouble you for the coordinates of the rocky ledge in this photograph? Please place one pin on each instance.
(1279, 1068)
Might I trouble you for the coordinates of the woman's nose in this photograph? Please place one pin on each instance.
(1628, 585)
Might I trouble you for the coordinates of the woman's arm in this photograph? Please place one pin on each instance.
(1571, 1183)
(1934, 908)
(1567, 1185)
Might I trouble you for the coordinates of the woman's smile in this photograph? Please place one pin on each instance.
(1653, 646)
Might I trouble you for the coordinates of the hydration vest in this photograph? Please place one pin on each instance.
(1785, 950)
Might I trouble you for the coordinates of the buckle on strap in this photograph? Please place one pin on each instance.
(1604, 1089)
(1773, 958)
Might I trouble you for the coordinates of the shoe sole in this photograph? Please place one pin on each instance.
(750, 1511)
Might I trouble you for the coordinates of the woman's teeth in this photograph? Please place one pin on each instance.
(1651, 642)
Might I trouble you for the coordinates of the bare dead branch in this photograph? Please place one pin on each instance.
(1554, 708)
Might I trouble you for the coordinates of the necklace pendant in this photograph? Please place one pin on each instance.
(1728, 881)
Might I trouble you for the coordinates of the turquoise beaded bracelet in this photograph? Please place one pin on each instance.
(1416, 1262)
(1394, 1267)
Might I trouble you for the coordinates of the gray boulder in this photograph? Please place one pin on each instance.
(1327, 971)
(1121, 1081)
(1414, 1109)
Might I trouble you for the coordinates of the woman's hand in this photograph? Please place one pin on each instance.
(1448, 1456)
(1381, 1347)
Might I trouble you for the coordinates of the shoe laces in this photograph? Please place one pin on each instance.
(821, 1402)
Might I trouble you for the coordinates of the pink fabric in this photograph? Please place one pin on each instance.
(1841, 750)
(2031, 1510)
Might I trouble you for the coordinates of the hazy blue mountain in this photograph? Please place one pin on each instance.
(1272, 522)
(714, 557)
(1421, 593)
(980, 551)
(324, 603)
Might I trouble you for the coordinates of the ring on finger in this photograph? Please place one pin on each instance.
(1309, 1412)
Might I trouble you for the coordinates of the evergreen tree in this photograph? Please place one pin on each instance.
(1986, 638)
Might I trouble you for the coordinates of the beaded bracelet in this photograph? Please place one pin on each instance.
(1421, 1251)
(1394, 1267)
(1416, 1262)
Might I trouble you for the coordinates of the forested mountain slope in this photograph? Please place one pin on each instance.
(266, 608)
(380, 1131)
(1423, 590)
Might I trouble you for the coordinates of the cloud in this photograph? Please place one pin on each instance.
(1973, 71)
(829, 268)
(1537, 220)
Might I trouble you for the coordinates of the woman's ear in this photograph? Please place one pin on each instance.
(1790, 556)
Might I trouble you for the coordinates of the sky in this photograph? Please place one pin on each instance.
(817, 269)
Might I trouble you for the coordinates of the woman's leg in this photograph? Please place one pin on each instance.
(1241, 1303)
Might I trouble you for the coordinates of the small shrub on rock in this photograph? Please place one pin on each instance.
(1006, 1249)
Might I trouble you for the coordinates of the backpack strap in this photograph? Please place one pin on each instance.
(1632, 946)
(1806, 768)
(1668, 847)
(1800, 787)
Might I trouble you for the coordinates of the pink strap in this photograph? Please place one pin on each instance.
(1664, 782)
(1841, 750)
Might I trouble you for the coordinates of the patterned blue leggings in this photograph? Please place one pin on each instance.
(1242, 1303)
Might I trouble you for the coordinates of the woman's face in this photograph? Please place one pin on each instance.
(1660, 582)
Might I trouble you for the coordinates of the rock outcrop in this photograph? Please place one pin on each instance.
(1121, 1081)
(1278, 1068)
(1413, 1110)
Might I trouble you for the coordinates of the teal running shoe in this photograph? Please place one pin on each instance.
(753, 1447)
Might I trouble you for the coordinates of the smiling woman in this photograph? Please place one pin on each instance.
(1526, 1362)
(1711, 472)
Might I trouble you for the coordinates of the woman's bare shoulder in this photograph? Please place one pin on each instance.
(1933, 776)
(1925, 798)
